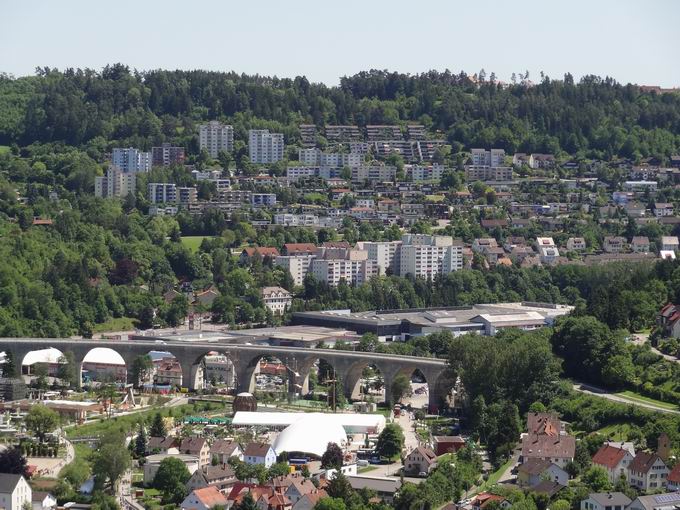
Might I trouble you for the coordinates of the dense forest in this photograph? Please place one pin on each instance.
(595, 117)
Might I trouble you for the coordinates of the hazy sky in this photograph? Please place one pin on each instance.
(633, 41)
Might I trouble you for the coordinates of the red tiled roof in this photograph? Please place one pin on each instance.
(674, 475)
(609, 456)
(210, 496)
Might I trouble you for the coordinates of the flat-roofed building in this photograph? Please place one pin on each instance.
(265, 147)
(215, 137)
(167, 155)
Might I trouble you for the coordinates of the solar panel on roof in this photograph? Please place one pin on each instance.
(667, 498)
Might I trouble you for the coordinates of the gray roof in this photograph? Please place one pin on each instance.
(8, 482)
(378, 484)
(610, 498)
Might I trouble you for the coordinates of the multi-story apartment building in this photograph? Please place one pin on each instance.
(425, 173)
(294, 173)
(161, 192)
(382, 132)
(373, 174)
(336, 133)
(166, 155)
(353, 267)
(218, 368)
(215, 137)
(427, 256)
(296, 220)
(187, 195)
(385, 253)
(308, 135)
(263, 199)
(115, 183)
(265, 147)
(493, 158)
(488, 173)
(315, 157)
(297, 265)
(131, 160)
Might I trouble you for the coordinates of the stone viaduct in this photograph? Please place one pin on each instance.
(348, 365)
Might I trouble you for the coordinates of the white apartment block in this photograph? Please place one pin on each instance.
(427, 256)
(162, 192)
(493, 158)
(15, 492)
(297, 266)
(425, 173)
(296, 220)
(115, 183)
(215, 137)
(131, 160)
(276, 299)
(354, 270)
(488, 173)
(385, 253)
(294, 173)
(265, 147)
(316, 157)
(373, 173)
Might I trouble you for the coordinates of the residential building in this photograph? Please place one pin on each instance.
(605, 501)
(647, 471)
(224, 449)
(338, 133)
(576, 244)
(299, 249)
(297, 265)
(373, 174)
(308, 133)
(198, 447)
(420, 462)
(263, 199)
(161, 192)
(265, 147)
(668, 501)
(354, 267)
(534, 470)
(43, 501)
(316, 157)
(264, 252)
(559, 449)
(385, 253)
(640, 186)
(218, 368)
(206, 498)
(640, 244)
(215, 137)
(384, 487)
(115, 183)
(614, 460)
(428, 256)
(221, 476)
(131, 160)
(488, 173)
(276, 299)
(541, 161)
(420, 173)
(15, 493)
(614, 244)
(484, 499)
(662, 209)
(259, 453)
(668, 322)
(673, 479)
(547, 251)
(187, 195)
(296, 220)
(167, 155)
(669, 243)
(492, 158)
(447, 444)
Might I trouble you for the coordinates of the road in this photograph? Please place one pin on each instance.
(600, 392)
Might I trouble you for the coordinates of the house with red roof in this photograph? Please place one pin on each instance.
(673, 480)
(614, 460)
(264, 252)
(668, 320)
(204, 499)
(484, 498)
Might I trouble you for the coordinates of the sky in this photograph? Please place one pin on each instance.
(631, 41)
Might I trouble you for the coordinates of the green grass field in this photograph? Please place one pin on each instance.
(366, 469)
(495, 476)
(4, 149)
(193, 242)
(118, 324)
(631, 395)
(615, 431)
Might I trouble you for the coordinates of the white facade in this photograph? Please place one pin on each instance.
(265, 147)
(15, 492)
(426, 173)
(354, 272)
(276, 299)
(162, 192)
(493, 158)
(373, 173)
(385, 253)
(215, 137)
(115, 183)
(316, 157)
(296, 220)
(297, 266)
(427, 256)
(131, 160)
(669, 243)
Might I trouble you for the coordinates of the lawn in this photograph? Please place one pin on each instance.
(495, 476)
(640, 398)
(117, 324)
(4, 149)
(193, 242)
(616, 431)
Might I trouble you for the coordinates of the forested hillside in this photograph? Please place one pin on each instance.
(595, 117)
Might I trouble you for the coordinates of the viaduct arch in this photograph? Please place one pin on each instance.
(298, 360)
